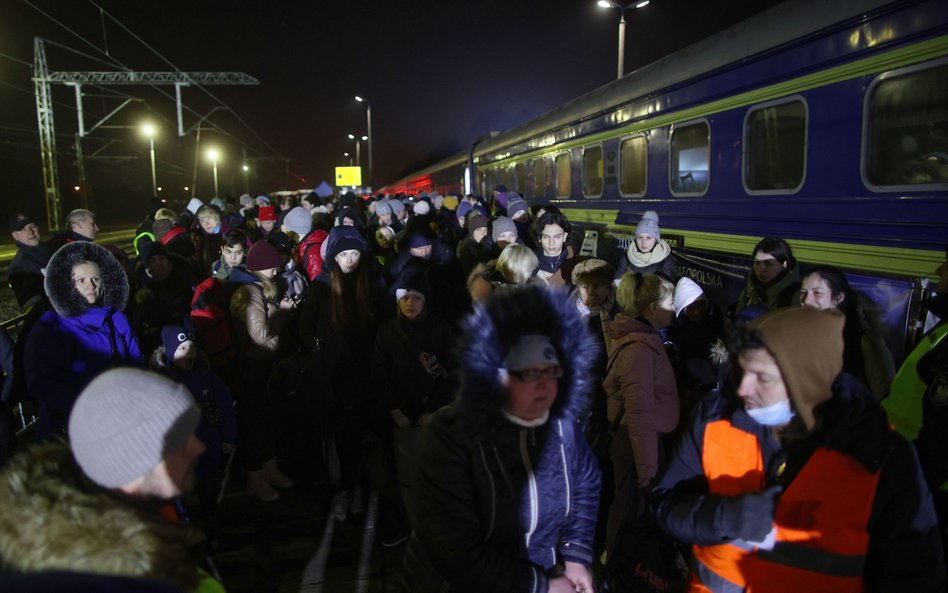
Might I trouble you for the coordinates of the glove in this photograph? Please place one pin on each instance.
(749, 517)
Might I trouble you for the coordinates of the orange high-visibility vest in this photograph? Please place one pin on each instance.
(821, 521)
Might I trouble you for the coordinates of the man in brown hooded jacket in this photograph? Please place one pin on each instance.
(798, 483)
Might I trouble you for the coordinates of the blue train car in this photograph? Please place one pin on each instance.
(822, 123)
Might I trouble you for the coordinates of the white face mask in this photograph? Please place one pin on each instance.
(777, 414)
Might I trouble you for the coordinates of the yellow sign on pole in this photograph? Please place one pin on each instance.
(349, 176)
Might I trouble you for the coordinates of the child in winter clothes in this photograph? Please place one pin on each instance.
(178, 358)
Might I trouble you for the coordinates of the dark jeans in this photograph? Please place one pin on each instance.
(256, 415)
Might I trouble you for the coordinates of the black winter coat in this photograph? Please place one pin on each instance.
(398, 375)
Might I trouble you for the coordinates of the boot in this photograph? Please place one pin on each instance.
(274, 477)
(259, 487)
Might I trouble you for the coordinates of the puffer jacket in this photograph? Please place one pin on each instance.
(642, 379)
(262, 321)
(72, 343)
(498, 504)
(309, 250)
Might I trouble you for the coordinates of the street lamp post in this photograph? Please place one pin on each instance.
(622, 9)
(368, 132)
(246, 171)
(149, 130)
(358, 141)
(212, 154)
(346, 154)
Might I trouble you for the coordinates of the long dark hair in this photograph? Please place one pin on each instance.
(852, 332)
(837, 283)
(350, 301)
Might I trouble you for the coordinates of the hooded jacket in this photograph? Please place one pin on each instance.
(887, 521)
(56, 520)
(641, 381)
(76, 341)
(904, 551)
(499, 504)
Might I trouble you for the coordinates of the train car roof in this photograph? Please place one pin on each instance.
(765, 31)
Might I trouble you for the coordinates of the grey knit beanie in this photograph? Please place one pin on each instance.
(516, 206)
(649, 225)
(502, 225)
(126, 421)
(299, 221)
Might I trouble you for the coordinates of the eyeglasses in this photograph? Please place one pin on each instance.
(534, 375)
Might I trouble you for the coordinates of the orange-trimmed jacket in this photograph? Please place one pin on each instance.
(821, 521)
(855, 514)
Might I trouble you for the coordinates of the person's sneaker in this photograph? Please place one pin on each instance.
(357, 507)
(339, 506)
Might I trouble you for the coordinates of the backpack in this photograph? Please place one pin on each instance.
(210, 315)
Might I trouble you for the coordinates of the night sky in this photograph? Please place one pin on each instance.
(438, 75)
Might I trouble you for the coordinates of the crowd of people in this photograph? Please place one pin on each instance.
(528, 415)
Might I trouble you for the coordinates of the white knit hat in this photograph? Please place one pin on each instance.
(421, 208)
(194, 204)
(126, 421)
(686, 292)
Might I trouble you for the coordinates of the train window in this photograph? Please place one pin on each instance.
(539, 178)
(520, 184)
(633, 160)
(592, 171)
(905, 134)
(563, 181)
(775, 137)
(690, 158)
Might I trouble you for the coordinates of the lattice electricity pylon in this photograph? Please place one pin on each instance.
(43, 80)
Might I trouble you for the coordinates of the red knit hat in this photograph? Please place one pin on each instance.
(262, 256)
(267, 213)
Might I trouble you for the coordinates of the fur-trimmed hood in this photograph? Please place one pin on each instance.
(54, 519)
(492, 329)
(59, 287)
